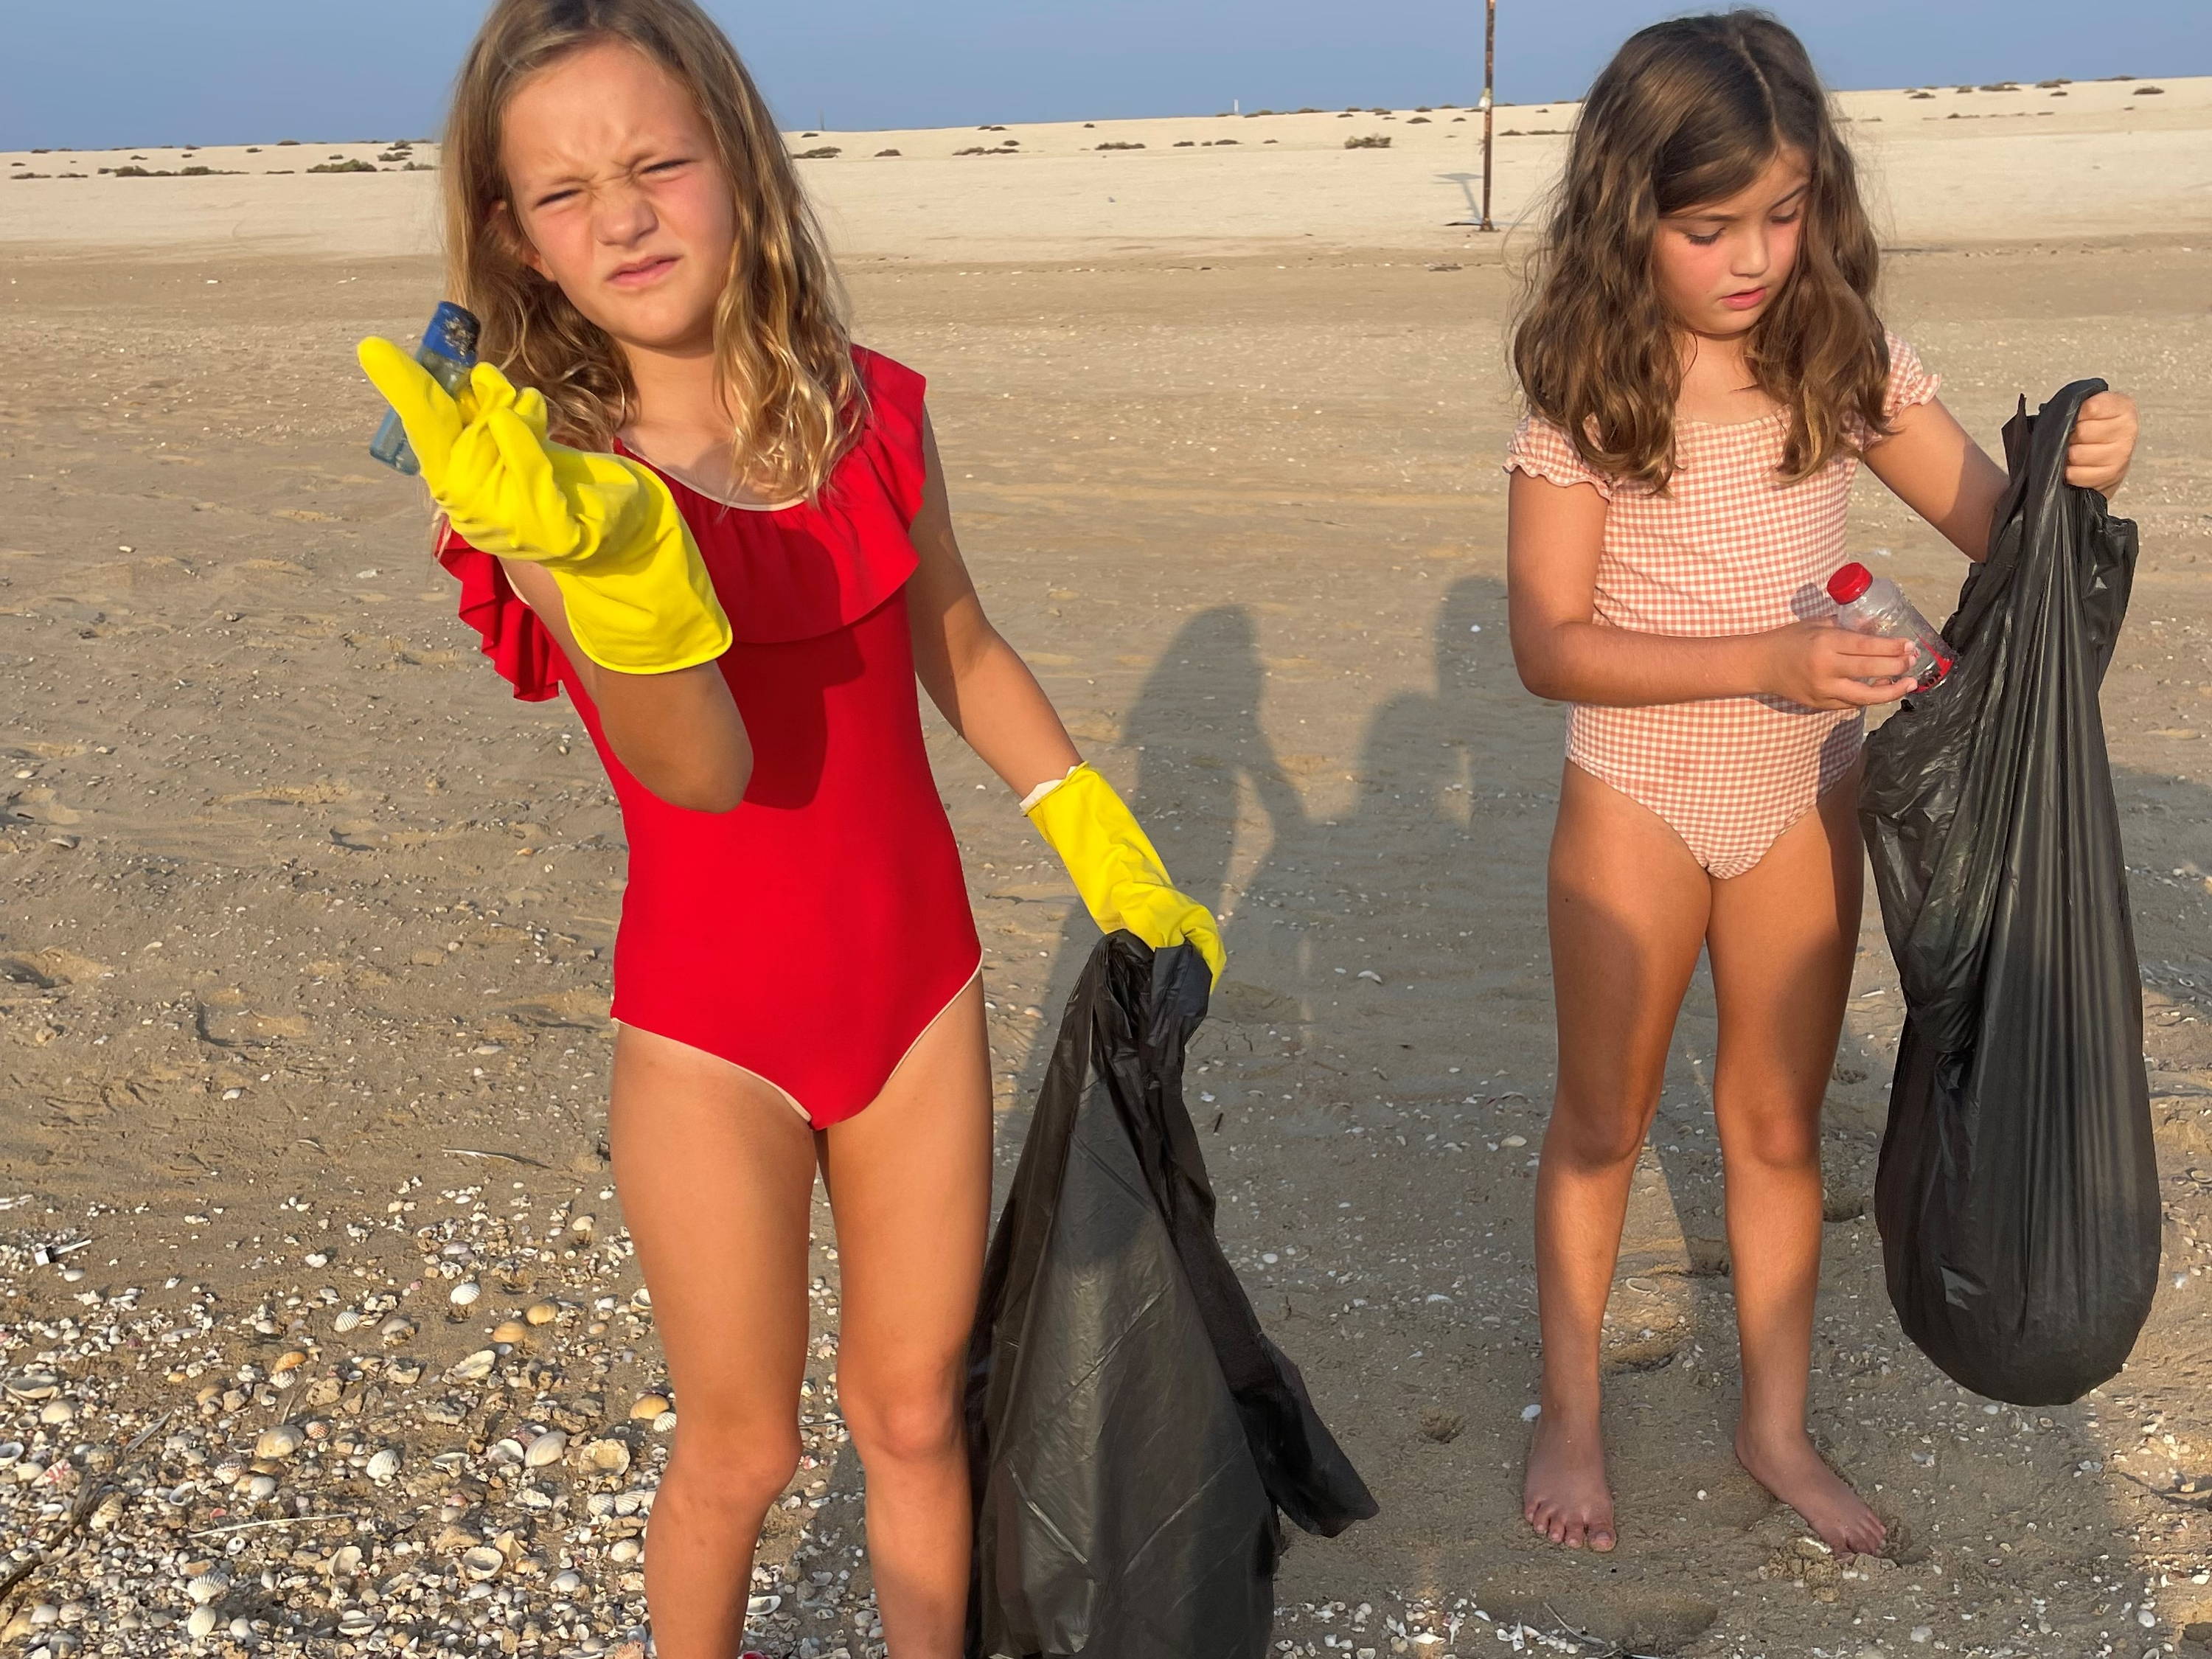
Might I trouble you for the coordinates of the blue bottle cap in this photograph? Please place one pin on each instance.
(452, 334)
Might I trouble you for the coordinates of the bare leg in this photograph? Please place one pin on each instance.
(910, 1181)
(1628, 910)
(717, 1178)
(1784, 934)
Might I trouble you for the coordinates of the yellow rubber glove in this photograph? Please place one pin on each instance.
(1121, 878)
(639, 598)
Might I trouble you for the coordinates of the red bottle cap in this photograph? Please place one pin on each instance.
(1849, 583)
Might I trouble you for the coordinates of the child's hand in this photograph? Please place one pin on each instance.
(1821, 665)
(2104, 443)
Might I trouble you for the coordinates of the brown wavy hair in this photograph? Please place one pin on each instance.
(784, 352)
(1688, 113)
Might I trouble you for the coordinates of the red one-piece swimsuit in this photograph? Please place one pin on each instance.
(811, 935)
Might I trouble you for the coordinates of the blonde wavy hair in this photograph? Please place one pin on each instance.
(783, 350)
(1688, 113)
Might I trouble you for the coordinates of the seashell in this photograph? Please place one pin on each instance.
(201, 1625)
(584, 1226)
(289, 1361)
(209, 1586)
(481, 1562)
(10, 1452)
(57, 1411)
(261, 1487)
(760, 1607)
(465, 1294)
(642, 1298)
(384, 1465)
(33, 1385)
(280, 1442)
(665, 1424)
(510, 1331)
(348, 1319)
(109, 1512)
(624, 1550)
(476, 1367)
(611, 1456)
(541, 1313)
(229, 1468)
(397, 1329)
(535, 1497)
(599, 1505)
(347, 1562)
(509, 1451)
(567, 1581)
(546, 1449)
(356, 1621)
(648, 1406)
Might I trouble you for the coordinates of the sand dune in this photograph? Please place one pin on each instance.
(2107, 159)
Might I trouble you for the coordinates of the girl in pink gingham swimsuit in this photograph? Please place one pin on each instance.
(1705, 373)
(1729, 548)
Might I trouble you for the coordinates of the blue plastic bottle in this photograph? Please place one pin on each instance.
(449, 352)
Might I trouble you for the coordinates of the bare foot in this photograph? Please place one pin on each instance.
(1787, 1465)
(1564, 1496)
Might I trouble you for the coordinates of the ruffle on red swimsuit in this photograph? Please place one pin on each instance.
(814, 934)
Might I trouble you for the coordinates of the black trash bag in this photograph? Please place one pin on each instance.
(2018, 1191)
(1132, 1430)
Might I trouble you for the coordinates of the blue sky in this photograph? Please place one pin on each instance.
(93, 73)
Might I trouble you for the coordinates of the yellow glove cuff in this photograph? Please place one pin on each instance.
(1116, 869)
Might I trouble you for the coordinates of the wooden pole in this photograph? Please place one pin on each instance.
(1489, 101)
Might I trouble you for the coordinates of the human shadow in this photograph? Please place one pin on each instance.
(1200, 756)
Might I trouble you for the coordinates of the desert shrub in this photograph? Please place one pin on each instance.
(1372, 141)
(1190, 143)
(881, 153)
(1418, 121)
(1120, 146)
(343, 166)
(821, 153)
(286, 144)
(2148, 92)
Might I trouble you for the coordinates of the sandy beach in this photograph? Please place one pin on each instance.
(304, 925)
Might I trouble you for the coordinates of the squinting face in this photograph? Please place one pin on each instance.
(620, 197)
(1720, 264)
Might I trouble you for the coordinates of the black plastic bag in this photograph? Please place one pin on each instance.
(2018, 1190)
(1132, 1429)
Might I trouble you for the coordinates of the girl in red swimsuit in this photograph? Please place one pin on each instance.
(736, 559)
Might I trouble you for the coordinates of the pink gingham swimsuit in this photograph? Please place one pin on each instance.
(1730, 549)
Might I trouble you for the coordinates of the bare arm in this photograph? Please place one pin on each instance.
(679, 733)
(1932, 465)
(978, 681)
(1553, 532)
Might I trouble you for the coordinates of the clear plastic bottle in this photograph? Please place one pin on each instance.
(449, 352)
(1868, 604)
